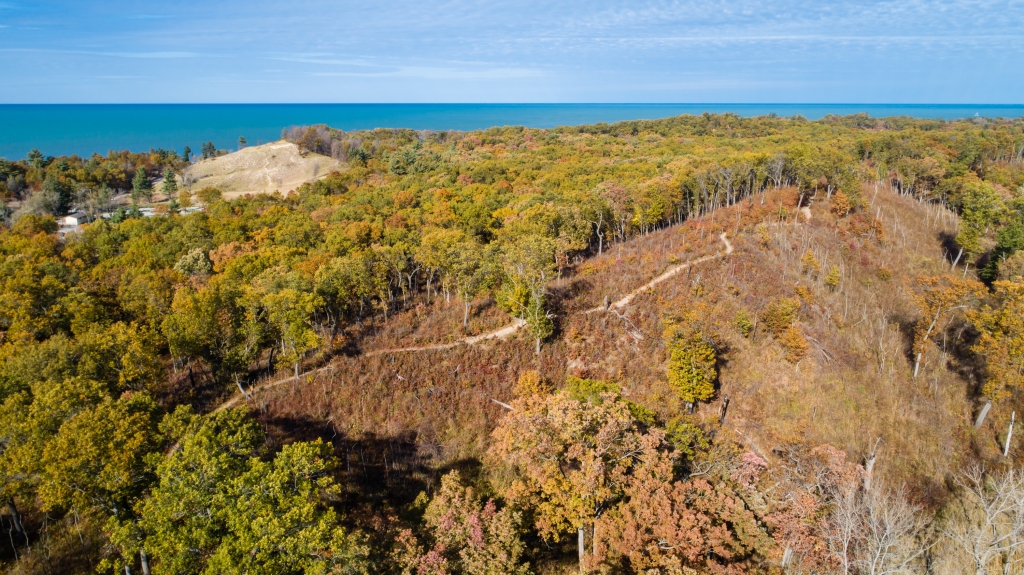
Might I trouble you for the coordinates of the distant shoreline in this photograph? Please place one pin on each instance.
(83, 129)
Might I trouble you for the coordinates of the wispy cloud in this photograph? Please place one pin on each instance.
(578, 50)
(436, 73)
(321, 60)
(149, 55)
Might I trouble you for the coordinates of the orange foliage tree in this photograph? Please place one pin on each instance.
(1001, 340)
(663, 525)
(585, 464)
(938, 299)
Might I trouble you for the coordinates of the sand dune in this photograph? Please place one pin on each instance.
(278, 166)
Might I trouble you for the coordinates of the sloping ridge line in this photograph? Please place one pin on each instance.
(500, 333)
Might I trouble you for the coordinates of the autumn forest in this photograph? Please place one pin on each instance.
(703, 344)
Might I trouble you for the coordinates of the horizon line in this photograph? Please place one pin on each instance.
(509, 104)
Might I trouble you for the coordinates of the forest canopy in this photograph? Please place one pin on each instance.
(100, 327)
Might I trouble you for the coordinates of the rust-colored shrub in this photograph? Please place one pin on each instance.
(794, 343)
(780, 314)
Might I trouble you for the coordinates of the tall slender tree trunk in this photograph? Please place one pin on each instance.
(583, 548)
(144, 560)
(465, 315)
(1009, 435)
(16, 519)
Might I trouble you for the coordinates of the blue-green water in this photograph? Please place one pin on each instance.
(57, 129)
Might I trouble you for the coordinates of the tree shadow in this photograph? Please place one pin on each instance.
(949, 246)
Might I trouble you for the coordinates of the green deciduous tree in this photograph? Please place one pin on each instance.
(980, 208)
(220, 509)
(692, 362)
(286, 302)
(209, 324)
(98, 457)
(529, 264)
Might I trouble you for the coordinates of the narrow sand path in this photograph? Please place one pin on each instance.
(501, 333)
(672, 272)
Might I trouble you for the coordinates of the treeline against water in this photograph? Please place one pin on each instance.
(97, 325)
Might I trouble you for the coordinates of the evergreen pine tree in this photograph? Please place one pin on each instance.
(141, 186)
(188, 154)
(170, 184)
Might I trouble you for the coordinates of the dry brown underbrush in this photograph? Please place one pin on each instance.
(399, 420)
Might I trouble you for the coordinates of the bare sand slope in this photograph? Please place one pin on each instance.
(278, 166)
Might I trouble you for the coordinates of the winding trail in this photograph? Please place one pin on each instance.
(672, 272)
(500, 333)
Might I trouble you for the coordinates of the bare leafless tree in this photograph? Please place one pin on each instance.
(877, 532)
(985, 523)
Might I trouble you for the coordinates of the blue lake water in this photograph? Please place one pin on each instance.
(82, 129)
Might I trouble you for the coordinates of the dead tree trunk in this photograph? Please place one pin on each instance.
(1009, 435)
(583, 549)
(16, 520)
(981, 416)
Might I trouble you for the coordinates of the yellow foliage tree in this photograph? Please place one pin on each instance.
(692, 362)
(833, 277)
(938, 298)
(809, 264)
(1001, 341)
(794, 343)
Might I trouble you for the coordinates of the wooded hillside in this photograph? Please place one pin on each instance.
(701, 344)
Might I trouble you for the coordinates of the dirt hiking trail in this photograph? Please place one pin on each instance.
(672, 272)
(501, 333)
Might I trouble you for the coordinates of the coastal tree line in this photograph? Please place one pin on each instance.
(96, 323)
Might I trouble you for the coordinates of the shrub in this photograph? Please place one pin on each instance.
(780, 314)
(809, 264)
(832, 278)
(805, 293)
(589, 390)
(840, 204)
(744, 323)
(686, 436)
(530, 384)
(692, 363)
(209, 195)
(794, 344)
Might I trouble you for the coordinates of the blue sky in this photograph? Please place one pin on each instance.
(913, 51)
